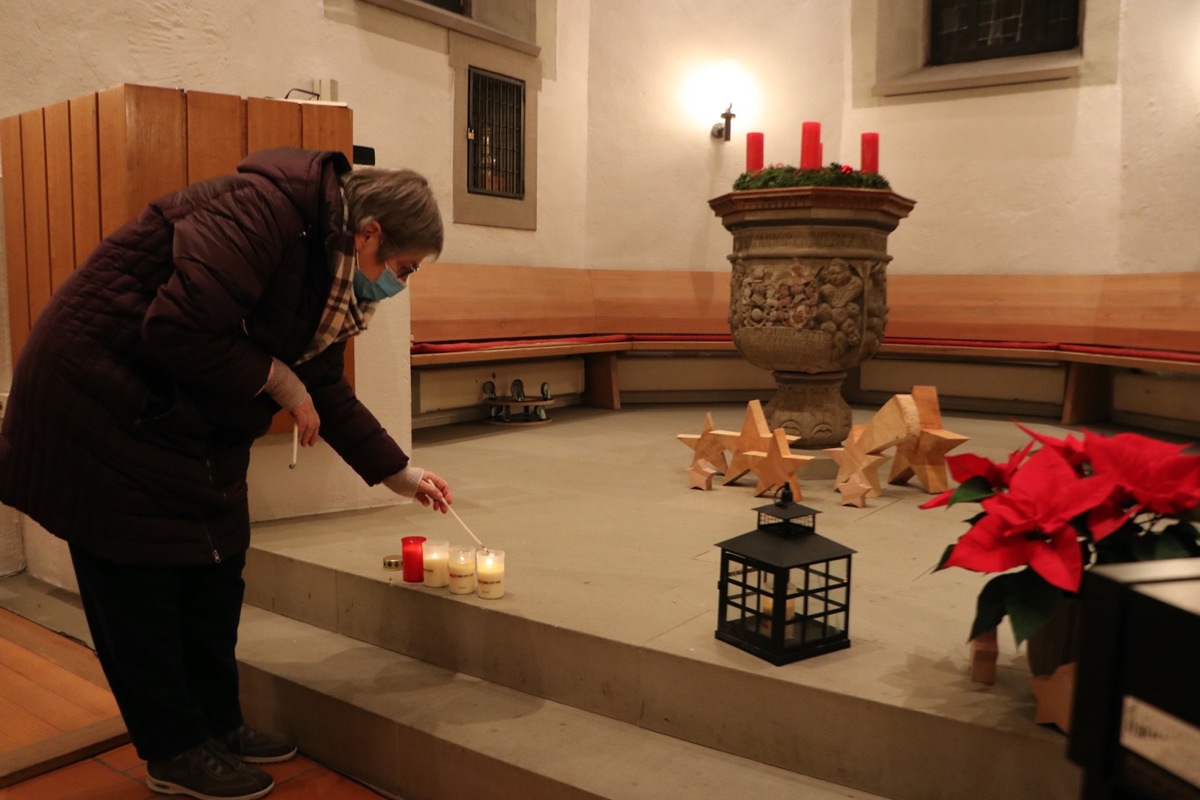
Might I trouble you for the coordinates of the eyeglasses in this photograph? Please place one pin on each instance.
(402, 272)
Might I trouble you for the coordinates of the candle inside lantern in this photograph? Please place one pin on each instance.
(810, 145)
(870, 152)
(461, 570)
(754, 152)
(413, 561)
(768, 606)
(437, 552)
(489, 573)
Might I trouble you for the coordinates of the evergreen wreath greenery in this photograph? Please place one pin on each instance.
(783, 175)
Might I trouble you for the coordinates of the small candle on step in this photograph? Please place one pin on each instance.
(413, 562)
(461, 570)
(489, 573)
(436, 552)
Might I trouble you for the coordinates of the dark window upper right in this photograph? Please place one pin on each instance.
(974, 30)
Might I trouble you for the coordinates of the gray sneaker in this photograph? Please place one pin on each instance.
(258, 747)
(207, 772)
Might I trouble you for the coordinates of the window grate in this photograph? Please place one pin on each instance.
(495, 134)
(974, 30)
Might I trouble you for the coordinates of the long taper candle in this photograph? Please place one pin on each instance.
(295, 444)
(465, 528)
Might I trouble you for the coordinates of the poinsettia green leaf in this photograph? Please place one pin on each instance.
(991, 606)
(972, 490)
(945, 555)
(1030, 601)
(1167, 545)
(1187, 535)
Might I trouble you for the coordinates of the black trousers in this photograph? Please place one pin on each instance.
(165, 637)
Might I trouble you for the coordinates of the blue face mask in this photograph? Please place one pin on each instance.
(385, 286)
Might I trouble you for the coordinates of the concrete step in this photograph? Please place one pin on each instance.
(421, 732)
(881, 717)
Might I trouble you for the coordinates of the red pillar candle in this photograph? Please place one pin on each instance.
(870, 152)
(413, 551)
(754, 152)
(810, 145)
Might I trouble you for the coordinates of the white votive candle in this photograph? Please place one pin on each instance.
(489, 573)
(437, 553)
(462, 570)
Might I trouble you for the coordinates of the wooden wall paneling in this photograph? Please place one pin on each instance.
(14, 231)
(112, 134)
(60, 207)
(216, 134)
(85, 175)
(143, 149)
(327, 128)
(272, 123)
(37, 227)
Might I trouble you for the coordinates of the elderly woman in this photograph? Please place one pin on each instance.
(140, 391)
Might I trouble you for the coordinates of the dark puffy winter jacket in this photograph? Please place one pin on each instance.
(136, 399)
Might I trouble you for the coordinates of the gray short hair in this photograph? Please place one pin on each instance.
(401, 201)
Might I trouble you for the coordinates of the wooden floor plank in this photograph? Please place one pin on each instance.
(56, 710)
(57, 679)
(22, 727)
(20, 764)
(55, 647)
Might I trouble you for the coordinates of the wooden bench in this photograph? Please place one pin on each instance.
(481, 314)
(1089, 325)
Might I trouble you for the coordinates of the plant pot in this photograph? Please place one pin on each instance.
(808, 294)
(1052, 653)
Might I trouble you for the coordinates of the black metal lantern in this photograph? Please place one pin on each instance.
(784, 589)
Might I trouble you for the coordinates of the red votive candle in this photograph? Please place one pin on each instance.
(870, 152)
(754, 152)
(810, 145)
(412, 549)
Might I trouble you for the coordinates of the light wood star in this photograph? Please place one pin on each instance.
(1054, 693)
(925, 458)
(700, 475)
(709, 444)
(777, 466)
(856, 466)
(755, 437)
(860, 455)
(854, 493)
(924, 455)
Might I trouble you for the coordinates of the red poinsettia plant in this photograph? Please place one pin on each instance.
(1050, 513)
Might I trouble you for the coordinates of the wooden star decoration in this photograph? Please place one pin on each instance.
(755, 437)
(924, 455)
(700, 475)
(860, 455)
(856, 466)
(1054, 693)
(925, 458)
(854, 493)
(777, 466)
(709, 444)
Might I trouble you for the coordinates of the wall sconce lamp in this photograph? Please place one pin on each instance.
(723, 130)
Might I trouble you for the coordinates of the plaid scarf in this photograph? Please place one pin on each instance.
(345, 315)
